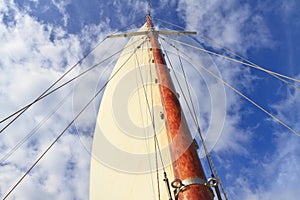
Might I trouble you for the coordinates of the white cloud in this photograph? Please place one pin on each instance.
(229, 23)
(34, 55)
(30, 61)
(236, 26)
(226, 22)
(60, 5)
(288, 107)
(279, 177)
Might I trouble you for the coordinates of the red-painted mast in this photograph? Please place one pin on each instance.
(187, 166)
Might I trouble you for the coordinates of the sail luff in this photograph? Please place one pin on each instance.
(186, 163)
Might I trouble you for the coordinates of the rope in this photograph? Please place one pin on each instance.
(152, 120)
(237, 61)
(274, 74)
(156, 143)
(133, 23)
(207, 154)
(243, 58)
(210, 162)
(156, 165)
(60, 135)
(166, 22)
(237, 55)
(194, 116)
(194, 113)
(22, 110)
(242, 95)
(33, 131)
(51, 91)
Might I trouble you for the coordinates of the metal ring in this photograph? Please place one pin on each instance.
(177, 183)
(212, 182)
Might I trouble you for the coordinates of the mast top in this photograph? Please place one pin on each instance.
(149, 7)
(150, 27)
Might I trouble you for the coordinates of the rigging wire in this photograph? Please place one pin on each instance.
(152, 119)
(213, 169)
(238, 56)
(245, 59)
(237, 61)
(151, 116)
(193, 114)
(22, 110)
(68, 126)
(46, 94)
(175, 25)
(33, 131)
(240, 93)
(156, 143)
(55, 89)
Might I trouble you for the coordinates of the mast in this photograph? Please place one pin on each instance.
(188, 171)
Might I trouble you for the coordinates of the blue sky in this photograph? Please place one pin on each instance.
(256, 157)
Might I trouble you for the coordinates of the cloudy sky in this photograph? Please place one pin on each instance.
(256, 157)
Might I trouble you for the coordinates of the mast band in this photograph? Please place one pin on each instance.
(181, 185)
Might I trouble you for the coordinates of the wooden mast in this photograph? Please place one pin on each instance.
(186, 163)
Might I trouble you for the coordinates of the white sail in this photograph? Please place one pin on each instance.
(127, 161)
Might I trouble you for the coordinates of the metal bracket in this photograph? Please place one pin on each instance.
(212, 182)
(181, 185)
